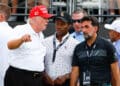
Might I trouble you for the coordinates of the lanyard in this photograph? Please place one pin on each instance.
(89, 53)
(56, 48)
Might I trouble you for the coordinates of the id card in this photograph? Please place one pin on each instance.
(86, 78)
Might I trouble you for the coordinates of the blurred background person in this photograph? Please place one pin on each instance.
(32, 3)
(13, 4)
(77, 15)
(114, 5)
(114, 34)
(5, 31)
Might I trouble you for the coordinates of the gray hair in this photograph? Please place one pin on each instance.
(77, 11)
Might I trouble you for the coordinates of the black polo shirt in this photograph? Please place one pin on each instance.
(101, 55)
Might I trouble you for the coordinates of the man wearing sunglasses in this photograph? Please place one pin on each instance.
(77, 15)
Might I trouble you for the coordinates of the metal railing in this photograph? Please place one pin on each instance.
(56, 6)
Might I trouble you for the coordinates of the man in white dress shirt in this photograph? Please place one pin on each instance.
(60, 47)
(114, 33)
(5, 31)
(27, 52)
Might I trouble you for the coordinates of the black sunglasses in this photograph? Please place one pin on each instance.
(77, 20)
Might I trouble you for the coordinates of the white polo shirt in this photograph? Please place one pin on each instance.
(62, 63)
(5, 32)
(30, 55)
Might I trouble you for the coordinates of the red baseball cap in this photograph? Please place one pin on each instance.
(40, 10)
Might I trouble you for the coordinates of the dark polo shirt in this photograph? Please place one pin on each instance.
(96, 59)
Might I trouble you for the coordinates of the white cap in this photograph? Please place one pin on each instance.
(114, 26)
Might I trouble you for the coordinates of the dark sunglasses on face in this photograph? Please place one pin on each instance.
(77, 20)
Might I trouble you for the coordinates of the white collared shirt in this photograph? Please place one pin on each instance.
(30, 55)
(58, 42)
(5, 32)
(62, 63)
(78, 35)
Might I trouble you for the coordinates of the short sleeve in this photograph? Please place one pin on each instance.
(75, 61)
(111, 53)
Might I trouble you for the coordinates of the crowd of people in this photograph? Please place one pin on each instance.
(21, 7)
(75, 55)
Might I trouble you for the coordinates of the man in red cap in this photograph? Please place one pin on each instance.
(27, 52)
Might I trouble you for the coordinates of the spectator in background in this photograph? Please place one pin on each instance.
(93, 58)
(32, 3)
(114, 34)
(77, 15)
(26, 50)
(113, 6)
(13, 4)
(60, 47)
(77, 33)
(5, 32)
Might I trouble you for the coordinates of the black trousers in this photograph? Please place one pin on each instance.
(18, 77)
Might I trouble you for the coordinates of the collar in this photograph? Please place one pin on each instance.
(79, 33)
(94, 43)
(63, 38)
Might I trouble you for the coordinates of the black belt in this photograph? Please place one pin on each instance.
(27, 72)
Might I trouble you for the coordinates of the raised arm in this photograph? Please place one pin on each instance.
(15, 43)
